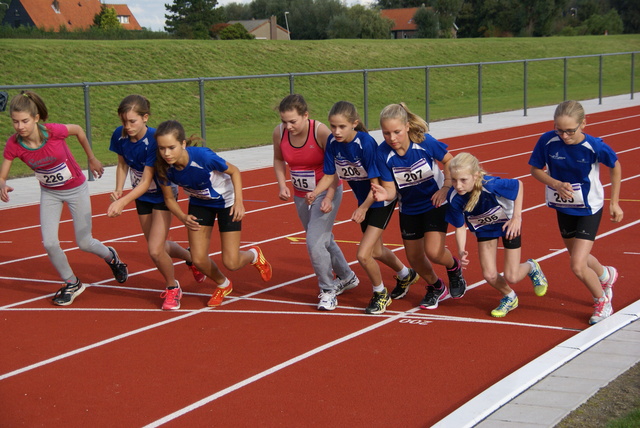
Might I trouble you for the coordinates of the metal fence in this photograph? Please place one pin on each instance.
(291, 78)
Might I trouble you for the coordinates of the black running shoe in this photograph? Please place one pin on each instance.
(402, 285)
(119, 269)
(378, 303)
(434, 295)
(66, 295)
(457, 284)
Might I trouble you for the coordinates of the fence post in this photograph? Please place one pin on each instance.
(203, 124)
(600, 80)
(291, 84)
(526, 76)
(480, 93)
(633, 57)
(365, 77)
(87, 122)
(427, 113)
(566, 66)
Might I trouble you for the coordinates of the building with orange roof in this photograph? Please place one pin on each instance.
(404, 27)
(52, 15)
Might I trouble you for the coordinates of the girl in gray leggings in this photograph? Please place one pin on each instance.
(44, 149)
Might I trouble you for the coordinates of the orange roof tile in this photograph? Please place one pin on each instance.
(403, 18)
(123, 10)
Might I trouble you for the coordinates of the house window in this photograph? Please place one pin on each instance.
(123, 19)
(55, 6)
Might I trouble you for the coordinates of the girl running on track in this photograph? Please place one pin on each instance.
(214, 187)
(135, 145)
(573, 188)
(409, 160)
(43, 148)
(351, 154)
(300, 142)
(492, 209)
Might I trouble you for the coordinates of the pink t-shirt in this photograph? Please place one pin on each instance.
(52, 162)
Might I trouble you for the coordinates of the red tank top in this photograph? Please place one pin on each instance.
(305, 162)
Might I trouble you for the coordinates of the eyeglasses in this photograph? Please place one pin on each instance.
(569, 132)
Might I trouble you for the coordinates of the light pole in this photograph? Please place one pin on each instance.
(287, 22)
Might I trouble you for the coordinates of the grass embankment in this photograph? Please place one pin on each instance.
(240, 113)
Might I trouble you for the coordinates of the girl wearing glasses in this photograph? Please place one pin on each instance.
(573, 188)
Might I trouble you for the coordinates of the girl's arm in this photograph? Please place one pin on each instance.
(170, 201)
(325, 183)
(565, 190)
(327, 203)
(4, 174)
(361, 212)
(614, 205)
(440, 196)
(461, 242)
(121, 175)
(385, 191)
(514, 224)
(119, 201)
(279, 166)
(237, 210)
(94, 164)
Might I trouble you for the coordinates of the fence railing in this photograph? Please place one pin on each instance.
(291, 77)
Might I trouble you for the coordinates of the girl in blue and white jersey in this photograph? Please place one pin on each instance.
(350, 153)
(491, 207)
(408, 165)
(214, 187)
(573, 188)
(136, 148)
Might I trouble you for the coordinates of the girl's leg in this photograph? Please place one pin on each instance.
(514, 271)
(370, 247)
(79, 203)
(487, 252)
(584, 265)
(418, 260)
(50, 212)
(155, 227)
(199, 242)
(232, 257)
(436, 250)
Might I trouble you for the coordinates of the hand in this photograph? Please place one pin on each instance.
(565, 190)
(115, 195)
(237, 211)
(616, 213)
(439, 197)
(310, 197)
(513, 227)
(191, 222)
(115, 209)
(326, 206)
(96, 167)
(358, 215)
(462, 258)
(4, 192)
(284, 194)
(379, 193)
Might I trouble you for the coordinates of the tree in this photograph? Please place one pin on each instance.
(235, 32)
(191, 19)
(629, 11)
(107, 19)
(358, 22)
(427, 22)
(399, 4)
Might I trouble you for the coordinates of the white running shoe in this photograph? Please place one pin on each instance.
(328, 300)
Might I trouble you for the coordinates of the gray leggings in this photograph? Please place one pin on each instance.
(326, 256)
(79, 202)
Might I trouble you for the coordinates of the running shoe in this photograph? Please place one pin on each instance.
(602, 309)
(197, 275)
(67, 294)
(434, 295)
(402, 285)
(347, 284)
(263, 266)
(118, 268)
(171, 298)
(328, 300)
(457, 284)
(506, 305)
(607, 286)
(378, 303)
(538, 279)
(218, 296)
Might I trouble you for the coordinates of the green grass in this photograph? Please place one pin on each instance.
(241, 113)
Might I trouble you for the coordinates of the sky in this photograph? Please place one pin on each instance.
(150, 13)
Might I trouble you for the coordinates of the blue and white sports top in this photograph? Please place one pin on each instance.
(203, 179)
(578, 164)
(493, 210)
(355, 162)
(416, 174)
(137, 155)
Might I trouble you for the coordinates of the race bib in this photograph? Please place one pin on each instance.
(493, 216)
(200, 194)
(304, 181)
(555, 201)
(351, 171)
(54, 177)
(136, 176)
(413, 175)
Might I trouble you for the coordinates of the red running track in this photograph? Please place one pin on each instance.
(267, 357)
